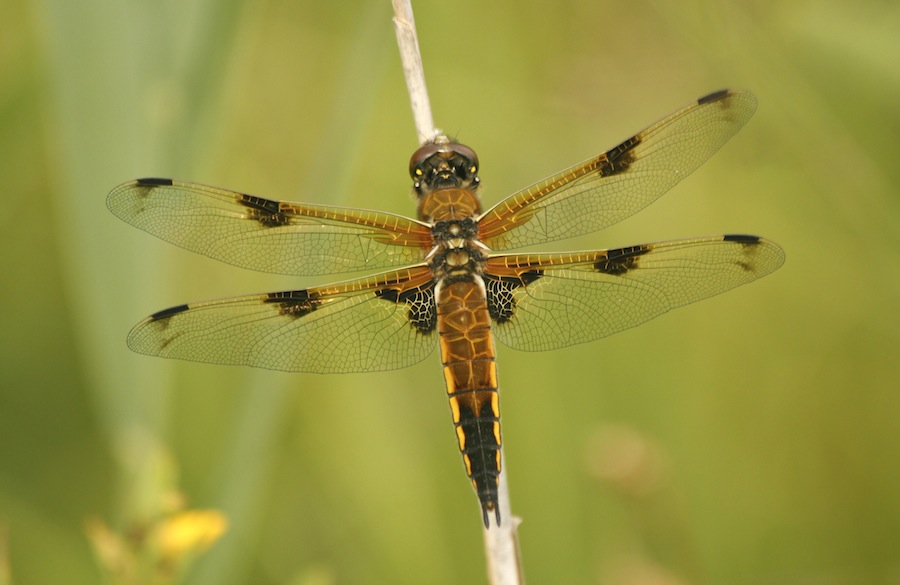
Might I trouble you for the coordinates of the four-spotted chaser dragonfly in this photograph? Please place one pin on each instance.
(446, 285)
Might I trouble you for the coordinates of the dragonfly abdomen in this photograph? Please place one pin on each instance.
(470, 372)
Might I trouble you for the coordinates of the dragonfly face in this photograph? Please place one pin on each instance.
(443, 165)
(446, 285)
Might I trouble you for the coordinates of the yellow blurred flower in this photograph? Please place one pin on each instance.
(190, 531)
(158, 553)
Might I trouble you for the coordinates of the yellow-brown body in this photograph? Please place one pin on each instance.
(464, 329)
(470, 373)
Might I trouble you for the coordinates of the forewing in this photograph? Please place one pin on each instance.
(620, 182)
(546, 301)
(267, 235)
(379, 323)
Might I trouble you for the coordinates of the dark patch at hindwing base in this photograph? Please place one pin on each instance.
(500, 298)
(295, 303)
(621, 260)
(267, 212)
(422, 312)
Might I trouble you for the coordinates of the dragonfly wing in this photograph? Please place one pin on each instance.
(268, 235)
(620, 182)
(546, 301)
(383, 322)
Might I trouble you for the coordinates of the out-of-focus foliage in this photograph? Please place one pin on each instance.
(751, 438)
(158, 538)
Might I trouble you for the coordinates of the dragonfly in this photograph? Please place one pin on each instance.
(446, 279)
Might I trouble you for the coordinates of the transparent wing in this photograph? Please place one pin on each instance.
(620, 182)
(378, 323)
(546, 301)
(266, 235)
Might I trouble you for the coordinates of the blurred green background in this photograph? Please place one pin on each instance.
(749, 439)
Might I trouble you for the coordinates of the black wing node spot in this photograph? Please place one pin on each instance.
(267, 212)
(621, 260)
(422, 312)
(620, 158)
(500, 298)
(295, 303)
(166, 313)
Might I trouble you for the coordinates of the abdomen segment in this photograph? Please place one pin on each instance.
(470, 372)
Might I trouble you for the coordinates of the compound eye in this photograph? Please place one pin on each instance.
(421, 155)
(468, 154)
(464, 169)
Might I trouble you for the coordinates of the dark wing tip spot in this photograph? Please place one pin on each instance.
(714, 96)
(741, 238)
(166, 313)
(154, 182)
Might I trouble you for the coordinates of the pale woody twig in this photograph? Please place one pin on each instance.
(500, 542)
(405, 27)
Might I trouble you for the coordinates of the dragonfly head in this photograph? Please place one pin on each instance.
(442, 164)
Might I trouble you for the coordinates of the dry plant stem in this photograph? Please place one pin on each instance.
(408, 41)
(500, 541)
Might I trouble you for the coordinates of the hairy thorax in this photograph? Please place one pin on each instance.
(457, 253)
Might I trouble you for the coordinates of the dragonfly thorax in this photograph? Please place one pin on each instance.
(457, 250)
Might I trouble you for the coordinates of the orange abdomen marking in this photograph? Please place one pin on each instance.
(470, 372)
